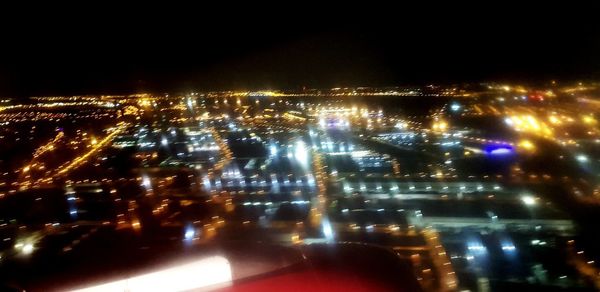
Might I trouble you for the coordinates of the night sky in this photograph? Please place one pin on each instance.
(90, 54)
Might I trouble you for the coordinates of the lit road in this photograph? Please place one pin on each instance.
(97, 147)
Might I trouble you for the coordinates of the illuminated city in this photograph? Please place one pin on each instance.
(479, 187)
(417, 146)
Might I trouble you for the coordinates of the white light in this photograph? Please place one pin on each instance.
(189, 233)
(401, 125)
(164, 141)
(273, 150)
(311, 180)
(204, 273)
(327, 230)
(528, 200)
(581, 158)
(146, 182)
(477, 247)
(206, 182)
(508, 247)
(301, 153)
(27, 248)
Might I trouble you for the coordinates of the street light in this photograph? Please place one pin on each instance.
(528, 200)
(27, 248)
(455, 107)
(581, 158)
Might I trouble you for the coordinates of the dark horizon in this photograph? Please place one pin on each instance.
(126, 56)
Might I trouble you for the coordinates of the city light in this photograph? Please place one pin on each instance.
(528, 124)
(528, 200)
(301, 153)
(476, 248)
(146, 182)
(190, 233)
(327, 230)
(344, 166)
(526, 145)
(589, 120)
(508, 247)
(441, 126)
(499, 150)
(25, 248)
(455, 107)
(273, 150)
(401, 125)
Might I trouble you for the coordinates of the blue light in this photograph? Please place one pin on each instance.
(190, 233)
(508, 247)
(455, 107)
(476, 247)
(499, 149)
